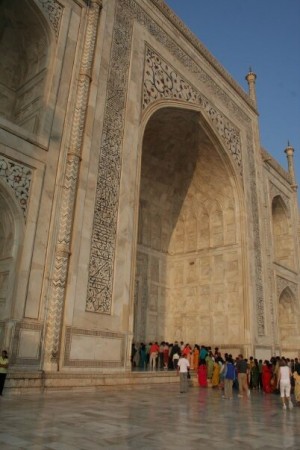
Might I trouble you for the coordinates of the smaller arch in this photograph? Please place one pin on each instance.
(282, 233)
(287, 317)
(11, 240)
(24, 61)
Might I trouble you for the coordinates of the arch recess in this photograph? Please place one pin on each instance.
(287, 317)
(11, 241)
(282, 233)
(25, 40)
(192, 191)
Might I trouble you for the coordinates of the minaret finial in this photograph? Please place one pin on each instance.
(251, 77)
(290, 157)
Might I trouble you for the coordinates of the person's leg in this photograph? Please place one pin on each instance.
(2, 381)
(245, 385)
(230, 384)
(183, 382)
(225, 388)
(282, 395)
(152, 361)
(288, 395)
(240, 384)
(228, 389)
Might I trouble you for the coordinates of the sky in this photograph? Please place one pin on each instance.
(263, 35)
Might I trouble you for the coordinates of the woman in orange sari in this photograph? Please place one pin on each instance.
(196, 353)
(215, 381)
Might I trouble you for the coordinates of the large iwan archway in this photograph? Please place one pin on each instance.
(189, 254)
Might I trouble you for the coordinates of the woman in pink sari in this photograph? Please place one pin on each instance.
(202, 374)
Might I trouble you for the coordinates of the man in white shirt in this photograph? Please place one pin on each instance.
(183, 367)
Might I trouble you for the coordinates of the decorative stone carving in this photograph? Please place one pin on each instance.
(109, 170)
(162, 81)
(260, 308)
(282, 283)
(66, 209)
(18, 177)
(164, 8)
(54, 11)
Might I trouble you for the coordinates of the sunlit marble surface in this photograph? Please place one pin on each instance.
(156, 417)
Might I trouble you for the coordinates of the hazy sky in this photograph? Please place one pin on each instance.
(265, 35)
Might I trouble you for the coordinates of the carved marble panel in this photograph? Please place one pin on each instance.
(18, 177)
(53, 10)
(282, 283)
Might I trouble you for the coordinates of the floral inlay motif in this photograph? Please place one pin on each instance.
(18, 177)
(54, 12)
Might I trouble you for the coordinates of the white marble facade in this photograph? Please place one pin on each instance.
(136, 201)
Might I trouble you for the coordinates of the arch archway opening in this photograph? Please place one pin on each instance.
(282, 233)
(188, 273)
(24, 49)
(287, 318)
(11, 237)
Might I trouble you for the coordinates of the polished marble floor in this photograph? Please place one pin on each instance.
(148, 418)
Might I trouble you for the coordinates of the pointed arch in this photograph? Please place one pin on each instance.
(287, 317)
(24, 60)
(189, 179)
(11, 241)
(282, 233)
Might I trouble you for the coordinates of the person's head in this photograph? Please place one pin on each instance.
(4, 354)
(282, 362)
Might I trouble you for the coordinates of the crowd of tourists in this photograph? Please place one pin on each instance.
(278, 375)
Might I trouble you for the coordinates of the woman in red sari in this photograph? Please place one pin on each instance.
(202, 374)
(267, 377)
